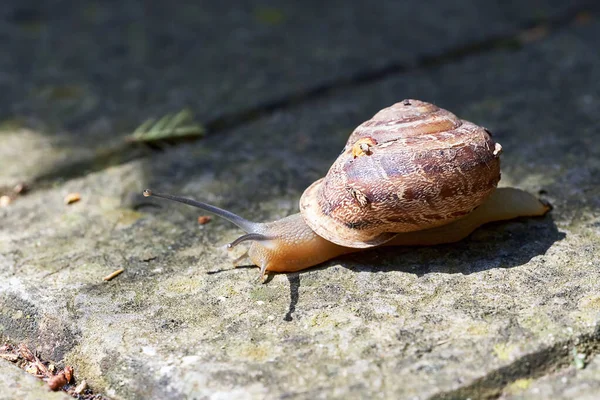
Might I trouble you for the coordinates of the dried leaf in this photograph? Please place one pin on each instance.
(57, 382)
(42, 368)
(32, 369)
(177, 126)
(26, 353)
(9, 357)
(68, 373)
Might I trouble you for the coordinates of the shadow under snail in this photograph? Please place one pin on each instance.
(412, 175)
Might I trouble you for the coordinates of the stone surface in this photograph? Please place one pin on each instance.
(77, 76)
(569, 383)
(18, 384)
(465, 320)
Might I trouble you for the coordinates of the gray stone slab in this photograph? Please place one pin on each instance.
(18, 384)
(567, 384)
(461, 319)
(76, 77)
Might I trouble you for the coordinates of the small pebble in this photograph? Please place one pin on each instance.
(81, 387)
(204, 219)
(20, 188)
(4, 201)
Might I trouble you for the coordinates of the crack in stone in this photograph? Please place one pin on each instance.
(509, 41)
(533, 365)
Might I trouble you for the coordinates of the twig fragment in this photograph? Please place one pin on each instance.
(113, 275)
(72, 198)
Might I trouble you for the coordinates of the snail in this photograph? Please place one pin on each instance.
(412, 175)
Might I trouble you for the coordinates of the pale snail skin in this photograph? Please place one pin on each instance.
(443, 171)
(296, 247)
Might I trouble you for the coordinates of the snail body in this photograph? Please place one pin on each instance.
(414, 174)
(297, 247)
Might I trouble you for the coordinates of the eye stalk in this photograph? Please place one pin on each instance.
(282, 246)
(254, 230)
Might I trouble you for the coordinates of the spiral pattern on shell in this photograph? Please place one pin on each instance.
(413, 166)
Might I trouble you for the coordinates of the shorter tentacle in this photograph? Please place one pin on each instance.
(248, 237)
(240, 260)
(263, 273)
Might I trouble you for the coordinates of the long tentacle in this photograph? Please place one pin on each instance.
(244, 224)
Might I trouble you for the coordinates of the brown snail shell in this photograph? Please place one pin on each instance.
(413, 166)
